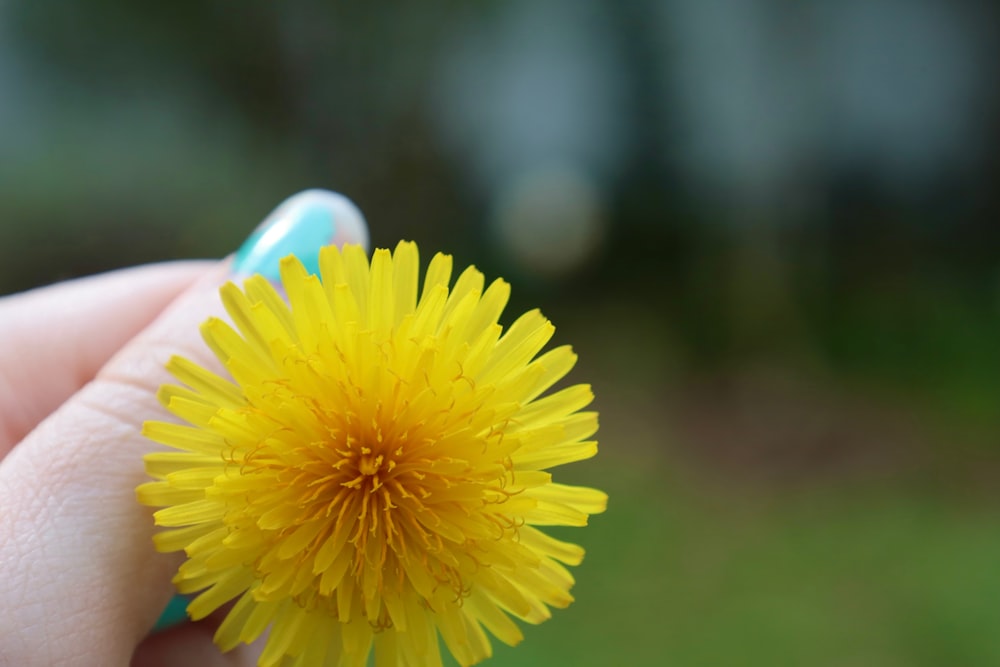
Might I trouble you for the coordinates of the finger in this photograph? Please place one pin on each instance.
(56, 338)
(191, 644)
(183, 646)
(75, 546)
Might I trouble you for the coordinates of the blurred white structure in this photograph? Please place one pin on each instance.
(755, 91)
(533, 98)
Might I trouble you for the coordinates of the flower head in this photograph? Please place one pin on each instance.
(374, 474)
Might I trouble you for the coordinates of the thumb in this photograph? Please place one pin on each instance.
(82, 584)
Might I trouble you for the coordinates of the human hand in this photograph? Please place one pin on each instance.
(80, 364)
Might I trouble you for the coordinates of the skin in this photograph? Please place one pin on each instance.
(80, 363)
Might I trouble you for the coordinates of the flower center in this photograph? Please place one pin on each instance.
(367, 469)
(370, 464)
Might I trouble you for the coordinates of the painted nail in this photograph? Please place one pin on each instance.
(300, 226)
(175, 613)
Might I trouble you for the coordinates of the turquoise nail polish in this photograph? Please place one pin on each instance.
(300, 226)
(174, 614)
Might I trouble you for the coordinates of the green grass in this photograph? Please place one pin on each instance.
(837, 576)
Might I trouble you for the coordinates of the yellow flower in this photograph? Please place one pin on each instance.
(375, 473)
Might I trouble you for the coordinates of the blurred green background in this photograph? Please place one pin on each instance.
(769, 228)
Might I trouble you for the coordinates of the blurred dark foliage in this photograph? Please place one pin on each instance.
(138, 133)
(162, 131)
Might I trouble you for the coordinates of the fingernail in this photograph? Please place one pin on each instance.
(174, 614)
(300, 226)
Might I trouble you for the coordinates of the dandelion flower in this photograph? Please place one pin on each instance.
(374, 474)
